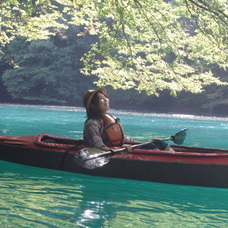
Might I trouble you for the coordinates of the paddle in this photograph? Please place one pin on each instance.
(179, 137)
(91, 158)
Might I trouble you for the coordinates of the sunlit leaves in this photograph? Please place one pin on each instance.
(148, 45)
(36, 19)
(137, 44)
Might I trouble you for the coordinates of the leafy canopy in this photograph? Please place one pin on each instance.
(148, 45)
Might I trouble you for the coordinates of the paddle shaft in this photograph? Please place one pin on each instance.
(117, 151)
(113, 152)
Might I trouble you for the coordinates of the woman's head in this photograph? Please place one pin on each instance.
(96, 102)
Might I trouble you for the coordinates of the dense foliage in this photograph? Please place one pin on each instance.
(155, 45)
(47, 70)
(152, 46)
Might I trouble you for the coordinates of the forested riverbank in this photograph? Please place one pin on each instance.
(49, 71)
(50, 74)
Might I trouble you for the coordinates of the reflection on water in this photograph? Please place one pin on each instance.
(34, 197)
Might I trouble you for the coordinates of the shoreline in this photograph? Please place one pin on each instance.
(132, 112)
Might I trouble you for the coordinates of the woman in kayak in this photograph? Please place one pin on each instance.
(102, 130)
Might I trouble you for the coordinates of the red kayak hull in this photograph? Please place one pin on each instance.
(187, 165)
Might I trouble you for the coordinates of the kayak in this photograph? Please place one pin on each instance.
(185, 165)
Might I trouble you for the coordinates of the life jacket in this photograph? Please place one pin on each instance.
(113, 130)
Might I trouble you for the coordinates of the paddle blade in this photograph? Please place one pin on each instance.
(88, 158)
(179, 137)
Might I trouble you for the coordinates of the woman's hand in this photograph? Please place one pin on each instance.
(104, 148)
(127, 147)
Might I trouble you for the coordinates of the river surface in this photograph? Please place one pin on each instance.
(39, 198)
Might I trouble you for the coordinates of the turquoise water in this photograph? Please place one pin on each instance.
(35, 197)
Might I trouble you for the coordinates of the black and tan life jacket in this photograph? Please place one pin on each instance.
(113, 129)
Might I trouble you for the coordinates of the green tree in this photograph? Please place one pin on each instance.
(148, 45)
(47, 70)
(156, 45)
(34, 19)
